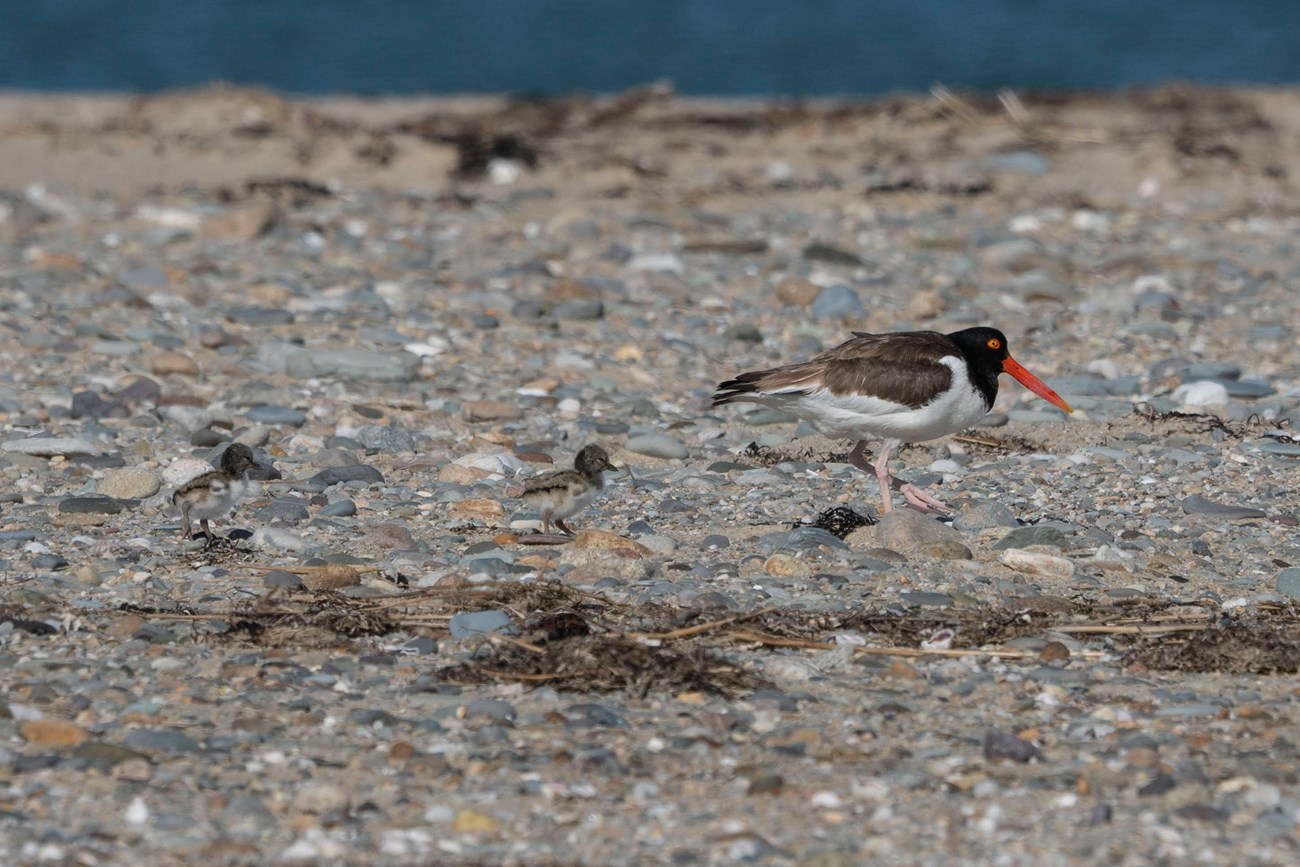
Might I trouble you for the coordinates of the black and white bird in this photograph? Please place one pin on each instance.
(216, 493)
(907, 386)
(560, 494)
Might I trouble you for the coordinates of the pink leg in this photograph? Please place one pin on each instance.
(915, 497)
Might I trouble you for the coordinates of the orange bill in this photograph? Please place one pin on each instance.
(1033, 383)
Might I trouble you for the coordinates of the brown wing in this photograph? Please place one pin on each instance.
(902, 367)
(212, 479)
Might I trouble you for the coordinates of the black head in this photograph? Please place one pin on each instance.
(237, 460)
(987, 355)
(982, 346)
(592, 461)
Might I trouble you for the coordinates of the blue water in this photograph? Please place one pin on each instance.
(725, 47)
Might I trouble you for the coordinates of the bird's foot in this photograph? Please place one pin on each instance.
(921, 501)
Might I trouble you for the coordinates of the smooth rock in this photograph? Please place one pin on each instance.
(1198, 505)
(468, 623)
(90, 505)
(267, 414)
(657, 446)
(352, 473)
(48, 447)
(1288, 581)
(352, 364)
(1023, 537)
(836, 302)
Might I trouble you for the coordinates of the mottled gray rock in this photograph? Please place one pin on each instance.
(913, 534)
(986, 515)
(1288, 581)
(580, 309)
(1023, 537)
(191, 418)
(343, 508)
(386, 438)
(130, 483)
(282, 509)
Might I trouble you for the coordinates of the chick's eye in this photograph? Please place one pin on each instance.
(994, 343)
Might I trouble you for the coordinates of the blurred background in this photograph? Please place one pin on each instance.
(704, 47)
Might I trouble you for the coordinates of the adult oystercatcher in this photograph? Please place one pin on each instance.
(907, 386)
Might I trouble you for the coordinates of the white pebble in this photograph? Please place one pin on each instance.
(137, 813)
(1203, 393)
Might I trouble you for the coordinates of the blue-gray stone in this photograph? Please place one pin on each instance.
(88, 404)
(1080, 385)
(1247, 388)
(148, 277)
(386, 438)
(159, 741)
(490, 708)
(422, 645)
(353, 473)
(19, 535)
(253, 315)
(1289, 450)
(1186, 710)
(1216, 370)
(352, 364)
(469, 623)
(744, 332)
(812, 538)
(90, 505)
(290, 511)
(1198, 505)
(580, 310)
(53, 562)
(657, 445)
(281, 578)
(716, 541)
(267, 414)
(837, 301)
(1288, 581)
(527, 308)
(344, 508)
(926, 599)
(1022, 537)
(819, 252)
(1021, 162)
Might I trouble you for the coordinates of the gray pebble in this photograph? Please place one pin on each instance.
(1288, 581)
(490, 708)
(267, 414)
(90, 505)
(386, 438)
(354, 473)
(657, 445)
(352, 364)
(580, 310)
(1023, 537)
(926, 599)
(469, 623)
(837, 301)
(159, 741)
(1198, 505)
(343, 508)
(188, 417)
(281, 578)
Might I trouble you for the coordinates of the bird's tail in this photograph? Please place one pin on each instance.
(738, 389)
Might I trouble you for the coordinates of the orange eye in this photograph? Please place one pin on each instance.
(994, 343)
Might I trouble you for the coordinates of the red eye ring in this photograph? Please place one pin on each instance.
(994, 343)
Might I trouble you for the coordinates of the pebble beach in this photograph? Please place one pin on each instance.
(406, 308)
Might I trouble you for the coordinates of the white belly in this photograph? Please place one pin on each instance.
(219, 503)
(863, 417)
